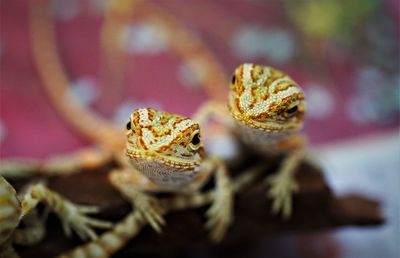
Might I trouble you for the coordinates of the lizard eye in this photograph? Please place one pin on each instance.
(195, 142)
(290, 112)
(196, 139)
(233, 80)
(128, 126)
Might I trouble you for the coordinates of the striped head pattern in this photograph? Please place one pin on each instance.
(161, 143)
(266, 99)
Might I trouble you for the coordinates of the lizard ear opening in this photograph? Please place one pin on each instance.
(233, 80)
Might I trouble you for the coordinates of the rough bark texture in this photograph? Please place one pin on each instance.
(315, 207)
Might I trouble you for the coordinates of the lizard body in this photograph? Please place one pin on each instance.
(268, 109)
(164, 153)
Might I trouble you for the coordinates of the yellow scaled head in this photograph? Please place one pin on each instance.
(170, 140)
(265, 98)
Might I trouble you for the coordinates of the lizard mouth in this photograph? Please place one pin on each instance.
(269, 125)
(173, 162)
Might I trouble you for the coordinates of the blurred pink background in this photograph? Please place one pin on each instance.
(348, 66)
(345, 54)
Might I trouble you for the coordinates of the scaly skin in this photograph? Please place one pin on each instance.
(13, 210)
(10, 210)
(268, 108)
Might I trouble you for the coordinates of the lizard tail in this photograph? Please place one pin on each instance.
(65, 164)
(193, 51)
(56, 82)
(111, 241)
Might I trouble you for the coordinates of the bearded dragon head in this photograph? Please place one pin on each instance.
(167, 148)
(266, 99)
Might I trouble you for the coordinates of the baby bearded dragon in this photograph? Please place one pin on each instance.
(268, 107)
(13, 210)
(165, 154)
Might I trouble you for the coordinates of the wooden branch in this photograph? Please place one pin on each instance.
(315, 207)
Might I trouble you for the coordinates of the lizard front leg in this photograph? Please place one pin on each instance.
(128, 182)
(113, 240)
(220, 212)
(73, 216)
(282, 184)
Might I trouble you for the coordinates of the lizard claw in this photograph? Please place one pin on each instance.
(220, 214)
(74, 218)
(281, 188)
(150, 209)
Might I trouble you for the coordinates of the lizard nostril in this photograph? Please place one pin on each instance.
(233, 79)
